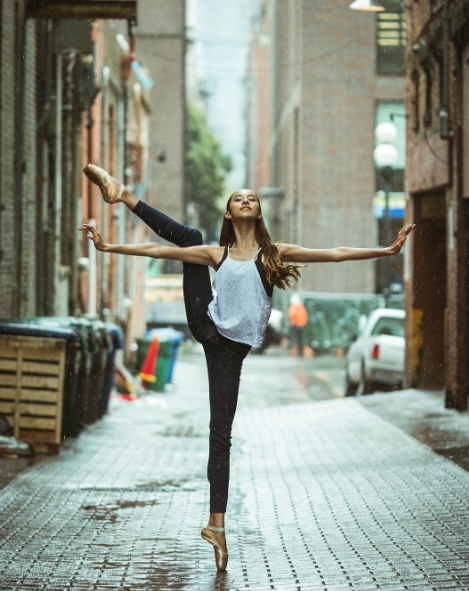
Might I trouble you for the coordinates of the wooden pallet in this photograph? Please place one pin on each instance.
(31, 389)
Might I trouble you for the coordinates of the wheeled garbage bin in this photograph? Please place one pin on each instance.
(176, 337)
(169, 342)
(83, 327)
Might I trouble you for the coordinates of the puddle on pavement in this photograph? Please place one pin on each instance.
(157, 484)
(181, 431)
(108, 512)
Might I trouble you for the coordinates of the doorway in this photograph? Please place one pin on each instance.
(430, 289)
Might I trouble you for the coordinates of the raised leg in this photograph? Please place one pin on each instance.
(196, 278)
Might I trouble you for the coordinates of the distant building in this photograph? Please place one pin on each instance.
(322, 77)
(161, 41)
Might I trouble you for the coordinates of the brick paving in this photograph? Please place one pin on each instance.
(324, 495)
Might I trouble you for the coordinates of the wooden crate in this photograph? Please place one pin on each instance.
(31, 389)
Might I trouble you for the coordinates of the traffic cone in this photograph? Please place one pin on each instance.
(147, 373)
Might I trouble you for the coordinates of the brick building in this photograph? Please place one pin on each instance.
(18, 188)
(72, 90)
(332, 75)
(437, 186)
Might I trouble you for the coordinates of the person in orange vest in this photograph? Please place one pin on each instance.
(298, 317)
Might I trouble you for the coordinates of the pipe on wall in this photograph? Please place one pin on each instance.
(445, 130)
(19, 158)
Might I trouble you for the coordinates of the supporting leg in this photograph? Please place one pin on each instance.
(224, 363)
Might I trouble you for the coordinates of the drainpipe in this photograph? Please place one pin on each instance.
(121, 211)
(69, 210)
(92, 277)
(16, 309)
(445, 132)
(105, 262)
(58, 179)
(43, 229)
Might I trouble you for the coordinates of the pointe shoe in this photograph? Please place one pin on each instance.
(221, 558)
(111, 189)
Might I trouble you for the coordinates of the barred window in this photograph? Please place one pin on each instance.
(391, 38)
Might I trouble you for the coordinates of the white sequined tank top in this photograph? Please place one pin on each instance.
(241, 306)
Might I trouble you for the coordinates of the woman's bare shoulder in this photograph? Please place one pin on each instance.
(216, 253)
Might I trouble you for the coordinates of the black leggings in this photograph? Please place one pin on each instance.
(224, 356)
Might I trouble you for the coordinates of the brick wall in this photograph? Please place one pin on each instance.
(436, 167)
(7, 151)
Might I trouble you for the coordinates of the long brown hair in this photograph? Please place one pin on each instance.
(277, 273)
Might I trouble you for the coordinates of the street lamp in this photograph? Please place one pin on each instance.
(385, 156)
(366, 6)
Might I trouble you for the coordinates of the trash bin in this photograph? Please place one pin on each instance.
(102, 345)
(177, 337)
(75, 419)
(38, 372)
(169, 342)
(117, 341)
(99, 342)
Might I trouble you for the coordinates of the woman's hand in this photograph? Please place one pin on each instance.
(95, 236)
(401, 238)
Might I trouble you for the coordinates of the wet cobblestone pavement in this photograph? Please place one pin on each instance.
(324, 495)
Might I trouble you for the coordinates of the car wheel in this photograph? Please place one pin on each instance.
(350, 389)
(365, 386)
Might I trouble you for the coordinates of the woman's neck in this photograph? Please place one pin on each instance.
(245, 237)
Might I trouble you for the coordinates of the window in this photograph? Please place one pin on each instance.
(391, 38)
(393, 327)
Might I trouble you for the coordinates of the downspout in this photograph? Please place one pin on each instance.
(121, 211)
(69, 213)
(19, 159)
(445, 132)
(104, 267)
(58, 180)
(92, 277)
(43, 229)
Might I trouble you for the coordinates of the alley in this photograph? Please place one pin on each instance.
(324, 495)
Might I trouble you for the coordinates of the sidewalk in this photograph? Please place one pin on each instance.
(324, 495)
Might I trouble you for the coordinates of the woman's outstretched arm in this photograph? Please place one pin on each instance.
(201, 255)
(298, 254)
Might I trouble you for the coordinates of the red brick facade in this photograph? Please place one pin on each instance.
(436, 277)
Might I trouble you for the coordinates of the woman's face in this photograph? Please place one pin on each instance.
(244, 204)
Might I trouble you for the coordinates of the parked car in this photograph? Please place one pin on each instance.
(376, 358)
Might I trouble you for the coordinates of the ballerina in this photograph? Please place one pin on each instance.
(229, 322)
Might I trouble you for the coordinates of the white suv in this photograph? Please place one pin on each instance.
(377, 356)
